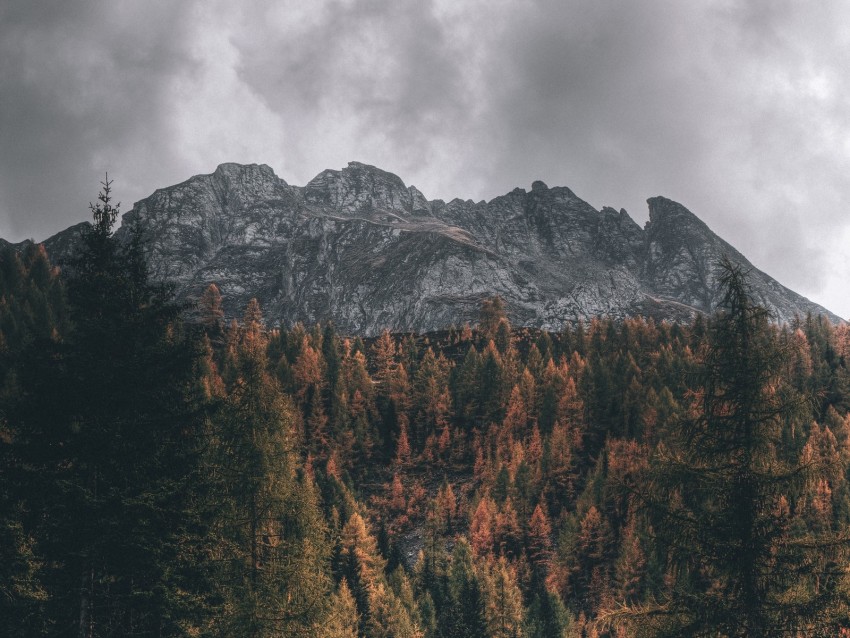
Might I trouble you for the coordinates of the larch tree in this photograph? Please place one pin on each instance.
(540, 543)
(210, 311)
(269, 541)
(342, 620)
(382, 613)
(492, 314)
(503, 600)
(481, 527)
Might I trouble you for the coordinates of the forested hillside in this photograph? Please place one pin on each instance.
(619, 478)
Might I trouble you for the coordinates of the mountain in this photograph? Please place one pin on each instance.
(359, 247)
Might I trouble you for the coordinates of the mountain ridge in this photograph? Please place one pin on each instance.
(361, 248)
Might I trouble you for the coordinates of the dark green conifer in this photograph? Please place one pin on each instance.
(718, 497)
(106, 431)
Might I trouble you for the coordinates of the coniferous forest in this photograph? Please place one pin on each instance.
(165, 476)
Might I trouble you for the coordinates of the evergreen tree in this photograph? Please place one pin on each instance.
(718, 495)
(105, 431)
(547, 617)
(33, 319)
(383, 612)
(503, 601)
(463, 615)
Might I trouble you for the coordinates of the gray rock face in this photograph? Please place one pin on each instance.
(359, 247)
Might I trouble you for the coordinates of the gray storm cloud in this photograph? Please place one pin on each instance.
(83, 91)
(737, 109)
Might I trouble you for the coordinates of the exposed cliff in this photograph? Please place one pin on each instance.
(359, 247)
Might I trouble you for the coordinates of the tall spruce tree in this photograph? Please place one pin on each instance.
(463, 614)
(103, 430)
(717, 497)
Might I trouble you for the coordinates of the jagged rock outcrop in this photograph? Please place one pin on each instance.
(359, 247)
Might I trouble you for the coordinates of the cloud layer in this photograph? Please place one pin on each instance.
(736, 108)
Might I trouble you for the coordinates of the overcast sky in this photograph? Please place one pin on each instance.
(740, 110)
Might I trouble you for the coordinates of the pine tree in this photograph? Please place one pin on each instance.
(464, 383)
(382, 613)
(106, 429)
(717, 494)
(548, 618)
(492, 388)
(33, 320)
(463, 615)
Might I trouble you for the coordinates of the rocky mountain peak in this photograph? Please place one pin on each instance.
(244, 172)
(665, 213)
(682, 258)
(251, 180)
(363, 189)
(359, 247)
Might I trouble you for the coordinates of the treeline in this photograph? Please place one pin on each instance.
(624, 478)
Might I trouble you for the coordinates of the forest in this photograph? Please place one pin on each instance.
(166, 473)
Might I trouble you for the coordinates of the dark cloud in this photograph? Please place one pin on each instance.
(736, 108)
(705, 105)
(383, 73)
(84, 91)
